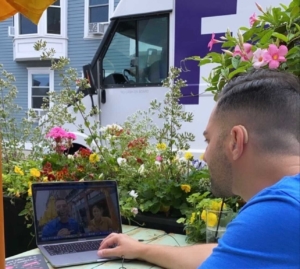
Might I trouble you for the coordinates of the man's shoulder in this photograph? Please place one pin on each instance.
(288, 188)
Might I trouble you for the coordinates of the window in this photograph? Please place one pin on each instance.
(51, 22)
(26, 26)
(96, 11)
(40, 82)
(138, 53)
(53, 18)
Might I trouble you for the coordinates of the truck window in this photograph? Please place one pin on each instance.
(138, 53)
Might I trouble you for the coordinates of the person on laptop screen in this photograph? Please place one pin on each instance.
(99, 223)
(63, 225)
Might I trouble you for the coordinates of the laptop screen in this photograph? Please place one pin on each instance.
(73, 210)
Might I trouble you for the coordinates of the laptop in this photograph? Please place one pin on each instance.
(72, 218)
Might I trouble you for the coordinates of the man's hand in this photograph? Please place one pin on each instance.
(120, 245)
(63, 232)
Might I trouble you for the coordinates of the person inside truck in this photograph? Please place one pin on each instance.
(253, 147)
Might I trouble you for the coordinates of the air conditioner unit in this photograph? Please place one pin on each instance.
(11, 31)
(98, 28)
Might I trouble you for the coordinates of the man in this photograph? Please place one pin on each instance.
(253, 138)
(63, 225)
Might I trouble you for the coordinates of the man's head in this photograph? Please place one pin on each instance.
(257, 114)
(62, 208)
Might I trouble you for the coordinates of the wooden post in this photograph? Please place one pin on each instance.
(2, 241)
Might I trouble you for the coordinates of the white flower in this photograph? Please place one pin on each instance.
(141, 169)
(158, 163)
(121, 161)
(258, 58)
(70, 157)
(134, 210)
(133, 194)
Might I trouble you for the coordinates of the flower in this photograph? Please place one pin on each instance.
(188, 156)
(94, 157)
(19, 171)
(253, 19)
(29, 189)
(258, 58)
(134, 210)
(35, 172)
(186, 187)
(57, 133)
(244, 52)
(133, 194)
(274, 56)
(121, 161)
(212, 41)
(211, 219)
(161, 146)
(158, 158)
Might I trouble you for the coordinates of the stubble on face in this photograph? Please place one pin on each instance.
(218, 163)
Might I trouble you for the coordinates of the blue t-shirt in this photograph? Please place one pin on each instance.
(54, 226)
(265, 233)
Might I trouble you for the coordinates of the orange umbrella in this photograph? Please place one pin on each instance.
(32, 9)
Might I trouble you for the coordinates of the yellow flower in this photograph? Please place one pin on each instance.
(186, 187)
(29, 188)
(212, 219)
(17, 194)
(193, 218)
(94, 157)
(35, 172)
(188, 156)
(215, 205)
(161, 146)
(45, 179)
(201, 156)
(19, 171)
(203, 215)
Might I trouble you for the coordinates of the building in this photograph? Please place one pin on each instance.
(73, 28)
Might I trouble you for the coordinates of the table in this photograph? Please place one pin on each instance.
(150, 236)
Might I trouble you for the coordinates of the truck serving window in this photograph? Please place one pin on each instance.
(138, 53)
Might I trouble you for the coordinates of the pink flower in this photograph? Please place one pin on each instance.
(274, 56)
(159, 158)
(253, 19)
(213, 41)
(57, 133)
(71, 136)
(245, 53)
(258, 58)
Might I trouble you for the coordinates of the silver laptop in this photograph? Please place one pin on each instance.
(72, 218)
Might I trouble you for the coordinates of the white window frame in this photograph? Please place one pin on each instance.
(111, 4)
(35, 71)
(42, 25)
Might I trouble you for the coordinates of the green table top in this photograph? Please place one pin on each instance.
(150, 236)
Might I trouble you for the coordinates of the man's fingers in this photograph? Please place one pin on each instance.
(106, 253)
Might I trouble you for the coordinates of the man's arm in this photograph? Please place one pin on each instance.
(164, 256)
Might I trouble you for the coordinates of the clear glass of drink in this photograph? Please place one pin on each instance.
(216, 222)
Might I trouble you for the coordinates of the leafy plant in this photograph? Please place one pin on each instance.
(272, 41)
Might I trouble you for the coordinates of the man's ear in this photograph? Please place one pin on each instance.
(238, 138)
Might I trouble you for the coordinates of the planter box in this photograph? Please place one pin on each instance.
(18, 237)
(157, 221)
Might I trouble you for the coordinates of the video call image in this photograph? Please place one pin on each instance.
(68, 213)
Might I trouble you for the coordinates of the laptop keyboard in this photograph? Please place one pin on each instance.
(73, 247)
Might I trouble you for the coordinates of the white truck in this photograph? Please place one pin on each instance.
(145, 38)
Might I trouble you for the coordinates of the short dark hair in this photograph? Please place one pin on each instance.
(268, 102)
